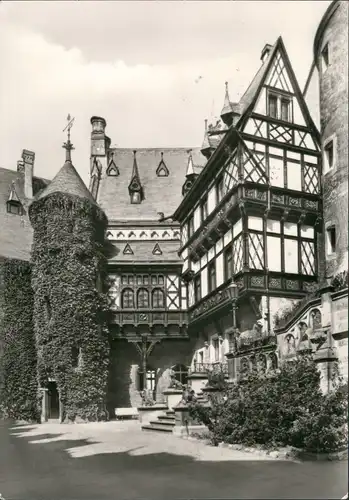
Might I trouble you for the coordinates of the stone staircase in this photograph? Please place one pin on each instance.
(166, 421)
(163, 423)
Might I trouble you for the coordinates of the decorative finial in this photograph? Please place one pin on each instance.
(162, 155)
(68, 145)
(134, 152)
(206, 122)
(226, 86)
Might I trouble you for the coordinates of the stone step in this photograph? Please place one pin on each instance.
(165, 424)
(170, 412)
(159, 428)
(166, 418)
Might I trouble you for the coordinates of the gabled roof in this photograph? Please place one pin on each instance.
(67, 181)
(161, 194)
(245, 107)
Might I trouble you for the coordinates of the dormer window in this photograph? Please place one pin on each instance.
(162, 170)
(14, 207)
(136, 197)
(13, 204)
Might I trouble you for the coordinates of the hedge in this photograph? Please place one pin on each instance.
(19, 387)
(70, 302)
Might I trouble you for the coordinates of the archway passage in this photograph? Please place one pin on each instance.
(53, 401)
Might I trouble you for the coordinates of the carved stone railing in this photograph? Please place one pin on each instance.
(206, 368)
(257, 343)
(290, 314)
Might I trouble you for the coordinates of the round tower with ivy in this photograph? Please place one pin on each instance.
(70, 297)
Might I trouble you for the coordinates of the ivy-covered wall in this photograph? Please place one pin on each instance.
(70, 302)
(18, 380)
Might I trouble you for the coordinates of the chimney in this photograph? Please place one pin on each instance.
(265, 52)
(28, 159)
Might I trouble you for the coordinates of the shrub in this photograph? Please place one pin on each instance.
(19, 387)
(278, 409)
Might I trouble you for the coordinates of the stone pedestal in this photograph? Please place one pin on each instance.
(173, 397)
(197, 381)
(148, 413)
(44, 404)
(184, 422)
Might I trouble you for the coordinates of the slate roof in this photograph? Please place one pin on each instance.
(143, 252)
(161, 194)
(248, 97)
(15, 231)
(67, 181)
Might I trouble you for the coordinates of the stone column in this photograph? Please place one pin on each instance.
(44, 404)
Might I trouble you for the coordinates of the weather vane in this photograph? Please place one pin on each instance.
(68, 145)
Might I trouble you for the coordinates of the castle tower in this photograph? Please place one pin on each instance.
(68, 270)
(331, 59)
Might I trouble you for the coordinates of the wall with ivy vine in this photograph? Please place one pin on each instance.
(18, 382)
(70, 302)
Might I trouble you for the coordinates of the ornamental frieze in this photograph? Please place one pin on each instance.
(209, 303)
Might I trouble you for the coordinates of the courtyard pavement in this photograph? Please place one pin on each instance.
(116, 460)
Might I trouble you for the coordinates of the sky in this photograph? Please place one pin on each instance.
(153, 69)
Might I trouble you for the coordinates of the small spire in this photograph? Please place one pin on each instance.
(68, 146)
(206, 143)
(190, 167)
(227, 105)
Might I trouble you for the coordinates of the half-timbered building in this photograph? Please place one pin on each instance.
(254, 216)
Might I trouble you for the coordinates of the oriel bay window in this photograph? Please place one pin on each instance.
(144, 291)
(190, 226)
(293, 170)
(289, 247)
(204, 209)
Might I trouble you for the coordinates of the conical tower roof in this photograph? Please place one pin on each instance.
(67, 181)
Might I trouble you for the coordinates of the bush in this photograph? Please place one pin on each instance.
(280, 409)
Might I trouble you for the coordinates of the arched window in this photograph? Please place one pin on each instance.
(303, 327)
(290, 343)
(181, 373)
(143, 298)
(316, 319)
(127, 299)
(158, 299)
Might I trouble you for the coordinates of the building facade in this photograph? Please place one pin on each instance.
(232, 255)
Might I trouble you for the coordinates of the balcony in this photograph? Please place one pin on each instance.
(149, 317)
(206, 368)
